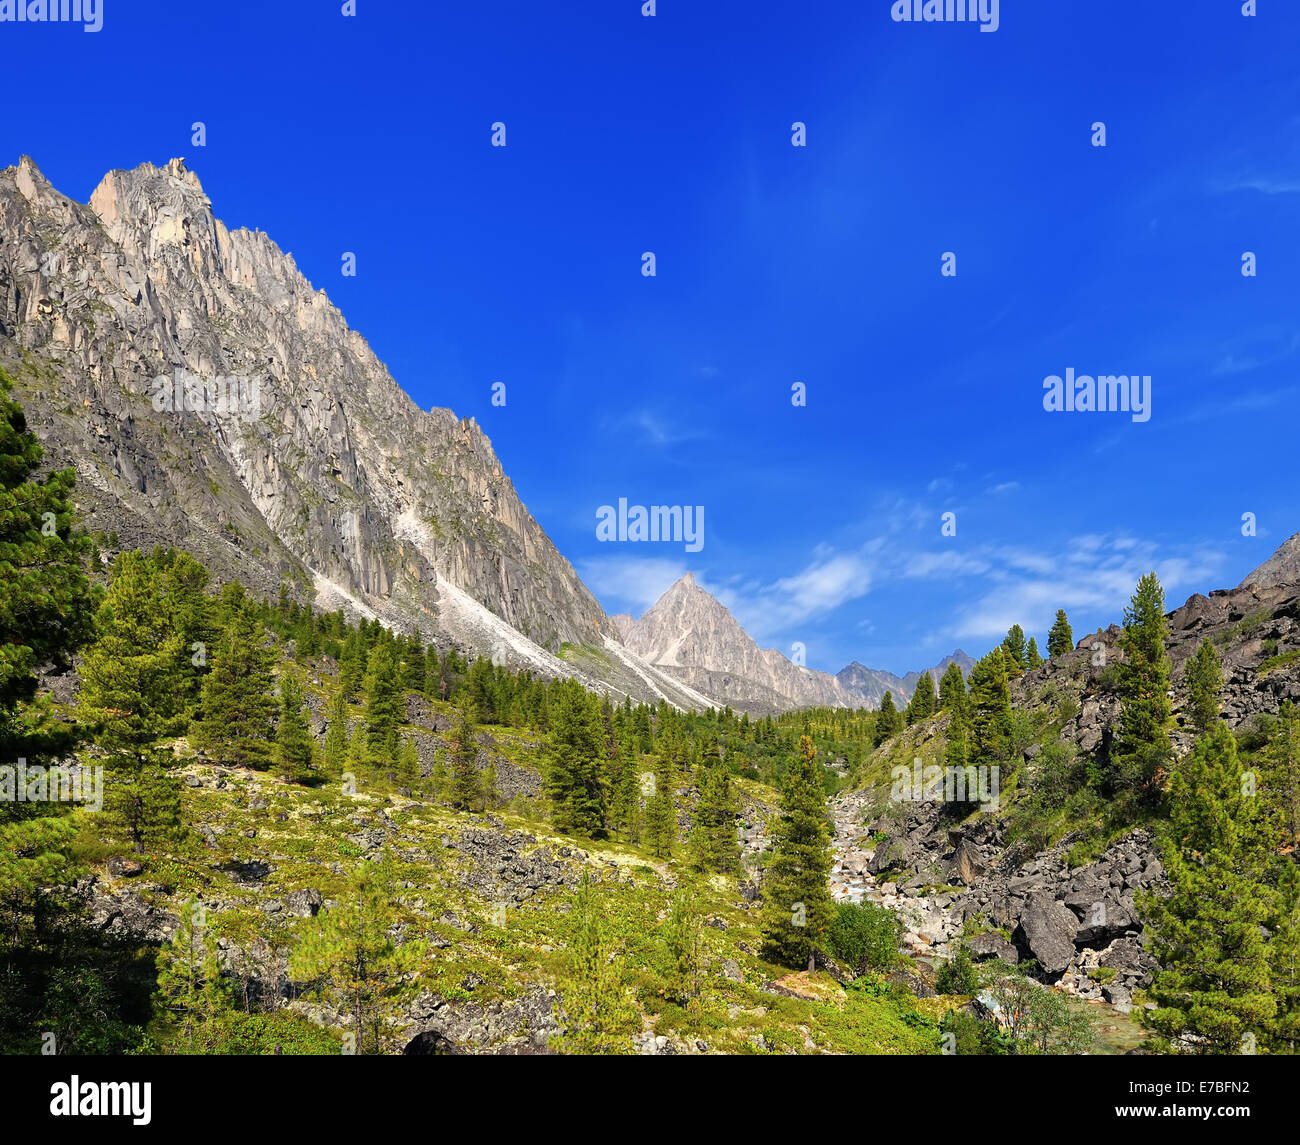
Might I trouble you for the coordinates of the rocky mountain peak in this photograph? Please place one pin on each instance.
(329, 478)
(1283, 567)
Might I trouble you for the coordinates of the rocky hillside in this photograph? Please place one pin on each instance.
(1066, 897)
(481, 904)
(287, 452)
(692, 636)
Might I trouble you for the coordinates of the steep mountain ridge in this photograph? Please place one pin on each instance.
(319, 470)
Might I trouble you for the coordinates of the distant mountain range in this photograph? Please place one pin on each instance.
(690, 635)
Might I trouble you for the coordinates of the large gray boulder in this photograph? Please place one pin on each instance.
(1046, 933)
(992, 945)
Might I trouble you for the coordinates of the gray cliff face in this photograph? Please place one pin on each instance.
(330, 475)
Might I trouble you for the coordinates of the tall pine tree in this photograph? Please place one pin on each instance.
(1213, 989)
(797, 907)
(133, 692)
(1060, 639)
(888, 721)
(952, 689)
(713, 844)
(574, 761)
(335, 749)
(46, 615)
(921, 706)
(1203, 677)
(465, 783)
(384, 708)
(294, 748)
(1144, 749)
(236, 699)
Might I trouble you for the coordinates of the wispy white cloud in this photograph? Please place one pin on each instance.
(628, 582)
(1091, 572)
(656, 430)
(1264, 184)
(770, 610)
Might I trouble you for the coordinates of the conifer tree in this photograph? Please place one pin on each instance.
(358, 748)
(439, 780)
(681, 940)
(661, 812)
(921, 706)
(957, 753)
(713, 844)
(480, 692)
(432, 673)
(573, 766)
(797, 908)
(47, 614)
(407, 763)
(232, 600)
(595, 1005)
(1017, 658)
(1204, 679)
(1282, 770)
(1035, 658)
(133, 692)
(189, 983)
(413, 668)
(1144, 748)
(990, 707)
(464, 771)
(191, 615)
(294, 749)
(490, 791)
(350, 951)
(888, 721)
(1060, 639)
(384, 709)
(952, 690)
(1284, 963)
(352, 664)
(335, 750)
(1214, 985)
(625, 804)
(236, 700)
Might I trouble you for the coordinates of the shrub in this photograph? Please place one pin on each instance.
(864, 936)
(958, 975)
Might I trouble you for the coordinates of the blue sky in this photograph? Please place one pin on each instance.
(776, 265)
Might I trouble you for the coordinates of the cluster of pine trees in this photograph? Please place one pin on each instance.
(1227, 936)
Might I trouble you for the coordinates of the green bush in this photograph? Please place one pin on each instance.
(958, 975)
(971, 1037)
(281, 1032)
(864, 936)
